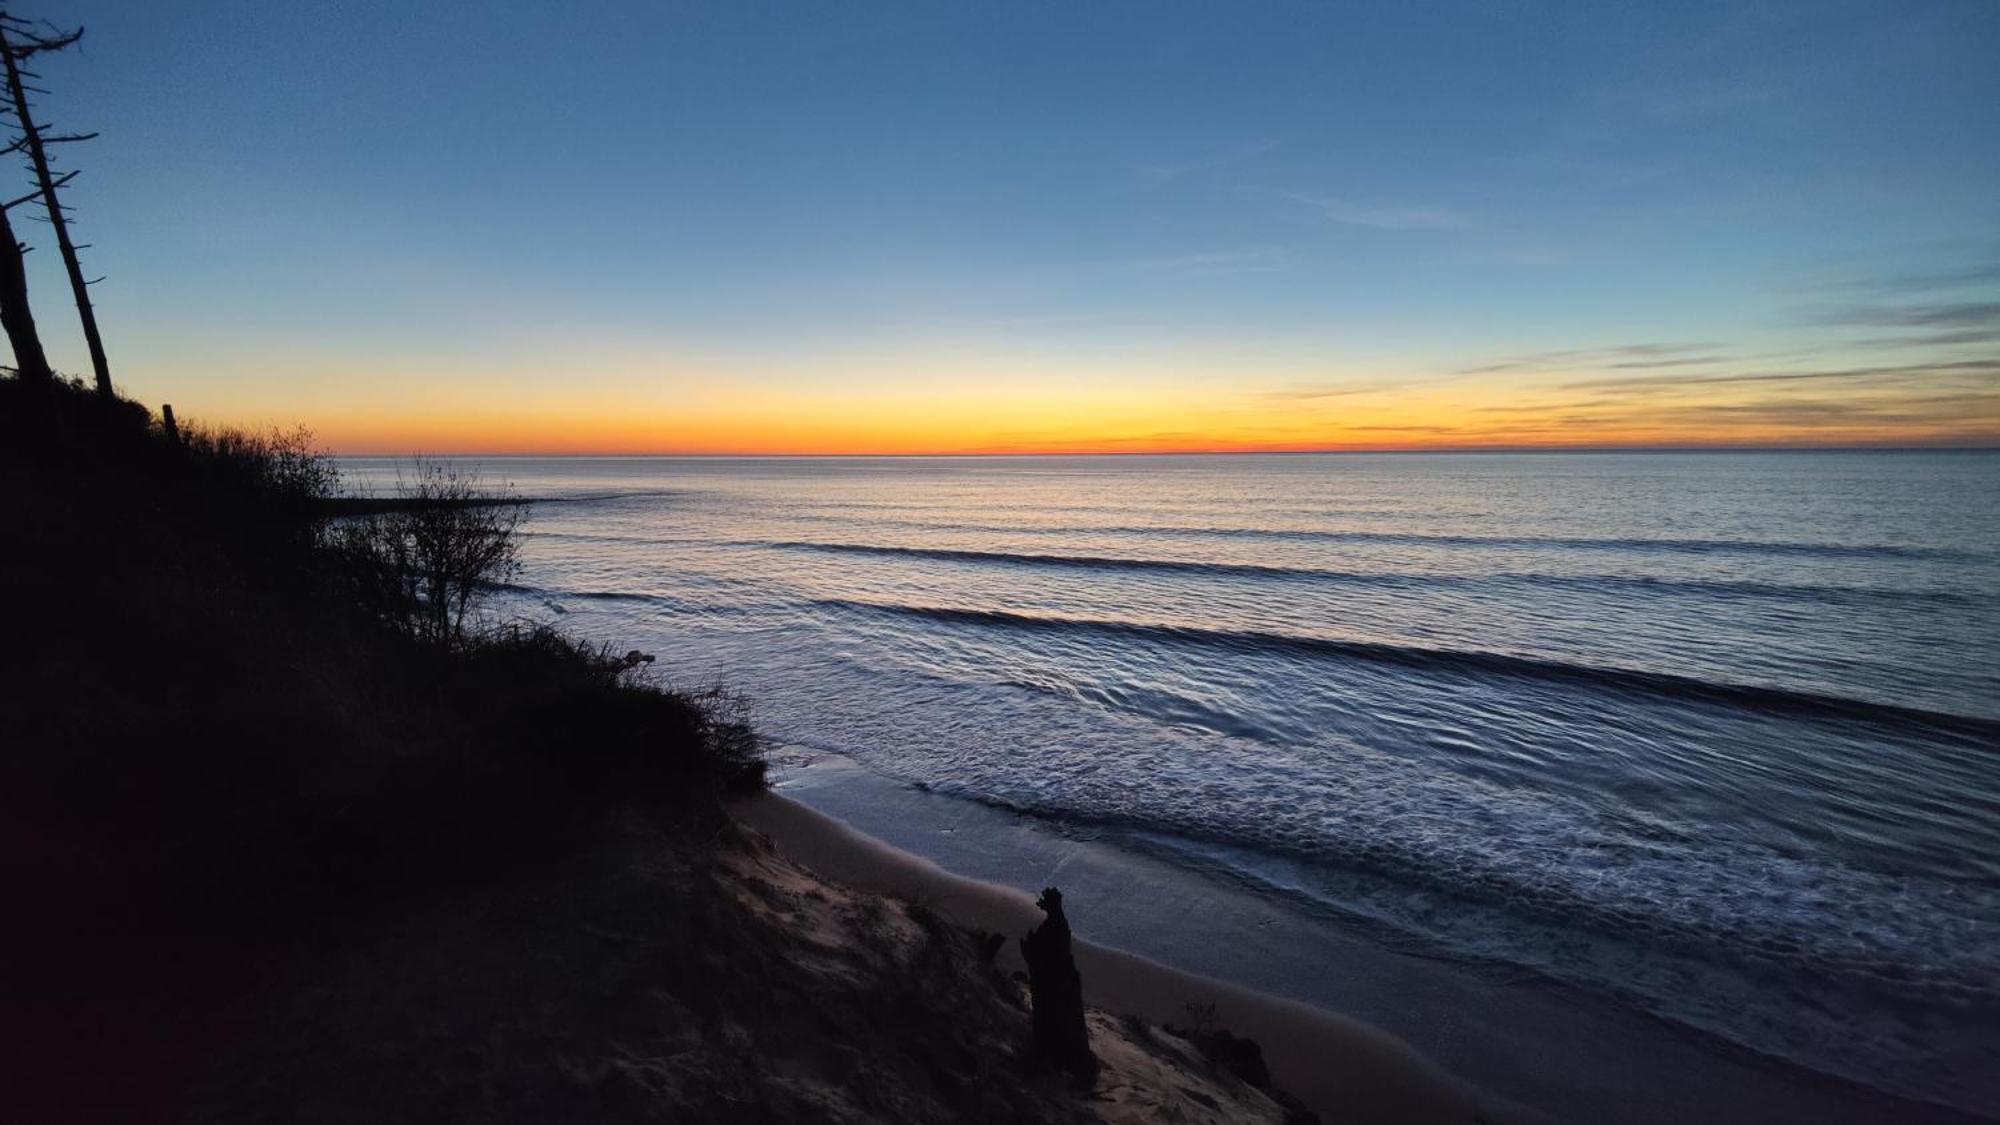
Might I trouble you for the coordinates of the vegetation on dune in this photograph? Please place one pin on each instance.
(236, 725)
(421, 565)
(400, 587)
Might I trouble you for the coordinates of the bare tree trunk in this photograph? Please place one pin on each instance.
(29, 361)
(38, 154)
(1055, 991)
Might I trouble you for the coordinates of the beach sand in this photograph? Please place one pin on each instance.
(1484, 1034)
(1343, 1069)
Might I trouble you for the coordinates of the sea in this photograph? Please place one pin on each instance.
(1713, 735)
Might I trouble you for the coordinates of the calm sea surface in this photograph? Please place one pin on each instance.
(1717, 734)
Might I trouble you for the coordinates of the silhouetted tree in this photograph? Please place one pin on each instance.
(15, 315)
(444, 542)
(19, 42)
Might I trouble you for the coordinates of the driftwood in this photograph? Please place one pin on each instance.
(1055, 991)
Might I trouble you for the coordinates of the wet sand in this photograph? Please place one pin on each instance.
(1482, 1034)
(1344, 1069)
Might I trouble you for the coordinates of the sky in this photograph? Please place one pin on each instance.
(937, 227)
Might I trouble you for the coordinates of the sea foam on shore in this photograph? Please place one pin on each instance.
(1537, 1046)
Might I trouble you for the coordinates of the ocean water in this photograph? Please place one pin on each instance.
(1717, 735)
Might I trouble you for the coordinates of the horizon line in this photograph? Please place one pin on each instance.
(1397, 450)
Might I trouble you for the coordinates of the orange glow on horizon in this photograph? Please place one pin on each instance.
(631, 410)
(1141, 431)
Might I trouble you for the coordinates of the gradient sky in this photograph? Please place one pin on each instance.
(747, 227)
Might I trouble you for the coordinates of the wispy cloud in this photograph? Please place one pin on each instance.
(1934, 280)
(1380, 216)
(1973, 369)
(1594, 359)
(1926, 324)
(1933, 339)
(1958, 414)
(1939, 315)
(1312, 392)
(1544, 408)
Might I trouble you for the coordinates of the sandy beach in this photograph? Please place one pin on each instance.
(1343, 1069)
(1493, 1048)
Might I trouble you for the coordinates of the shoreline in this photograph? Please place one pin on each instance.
(1342, 1068)
(1567, 1053)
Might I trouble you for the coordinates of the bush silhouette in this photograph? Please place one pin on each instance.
(422, 564)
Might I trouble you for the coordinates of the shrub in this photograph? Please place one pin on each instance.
(423, 564)
(599, 721)
(279, 473)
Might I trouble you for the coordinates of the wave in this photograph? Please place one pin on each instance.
(1358, 577)
(620, 596)
(1474, 662)
(1403, 538)
(1670, 546)
(1694, 546)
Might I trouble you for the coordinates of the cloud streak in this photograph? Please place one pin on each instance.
(1930, 281)
(1976, 368)
(1313, 392)
(1960, 315)
(1966, 413)
(1591, 359)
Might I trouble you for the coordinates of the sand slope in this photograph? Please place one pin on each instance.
(1344, 1070)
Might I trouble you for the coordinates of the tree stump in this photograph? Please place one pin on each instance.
(1055, 991)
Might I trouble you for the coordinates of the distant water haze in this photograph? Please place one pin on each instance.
(1715, 734)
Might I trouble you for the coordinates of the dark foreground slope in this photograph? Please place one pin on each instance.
(268, 858)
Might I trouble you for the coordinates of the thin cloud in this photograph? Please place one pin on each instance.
(1930, 281)
(1968, 417)
(1545, 407)
(1956, 409)
(1622, 355)
(1977, 368)
(1935, 339)
(1688, 361)
(1310, 392)
(1930, 324)
(1951, 315)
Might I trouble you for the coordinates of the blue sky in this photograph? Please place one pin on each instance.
(652, 225)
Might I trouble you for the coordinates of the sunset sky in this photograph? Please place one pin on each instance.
(934, 227)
